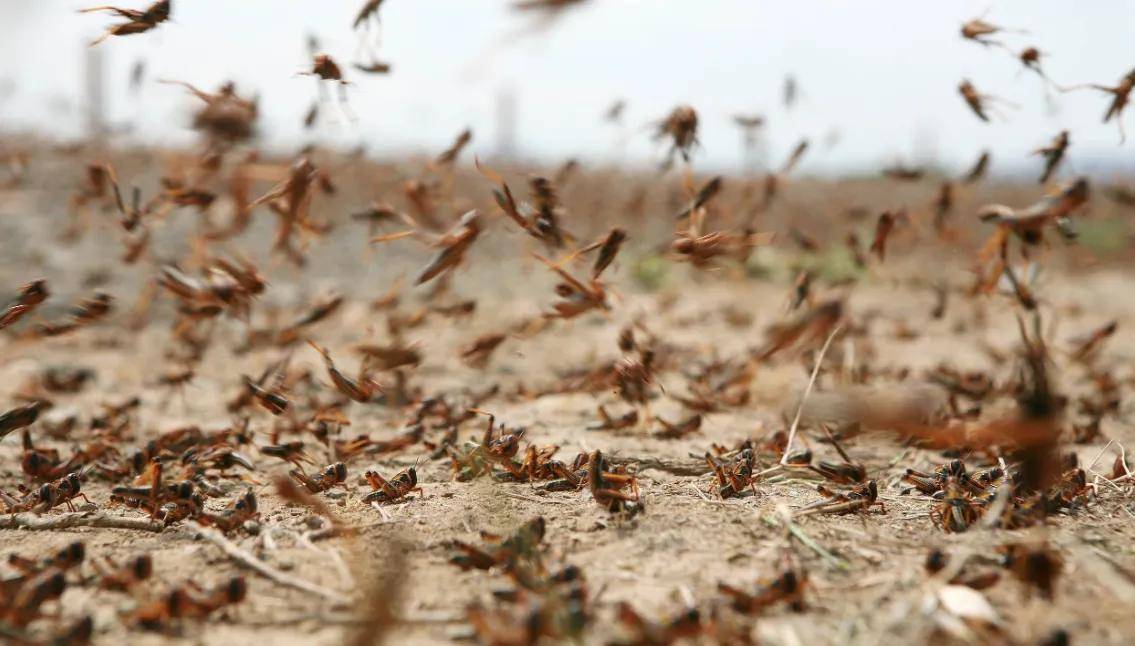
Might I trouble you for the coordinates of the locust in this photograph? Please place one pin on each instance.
(137, 21)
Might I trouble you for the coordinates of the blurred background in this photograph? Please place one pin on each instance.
(876, 81)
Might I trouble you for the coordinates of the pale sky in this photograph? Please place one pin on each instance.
(884, 74)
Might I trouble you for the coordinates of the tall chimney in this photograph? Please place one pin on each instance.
(506, 123)
(95, 78)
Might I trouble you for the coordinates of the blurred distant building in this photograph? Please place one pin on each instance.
(94, 78)
(506, 112)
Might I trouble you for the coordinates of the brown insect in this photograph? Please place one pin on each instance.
(311, 116)
(219, 456)
(707, 192)
(1053, 154)
(809, 327)
(177, 377)
(958, 510)
(571, 477)
(701, 249)
(92, 309)
(125, 576)
(680, 429)
(454, 245)
(576, 296)
(1120, 468)
(499, 447)
(1089, 345)
(608, 423)
(543, 224)
(883, 229)
(170, 502)
(20, 417)
(59, 379)
(476, 354)
(450, 154)
(794, 157)
(790, 91)
(269, 400)
(226, 118)
(855, 248)
(332, 475)
(544, 5)
(1037, 566)
(156, 615)
(935, 483)
(565, 172)
(609, 247)
(904, 173)
(1030, 58)
(70, 556)
(685, 625)
(980, 580)
(750, 125)
(846, 472)
(189, 601)
(943, 205)
(976, 101)
(245, 508)
(291, 452)
(176, 194)
(389, 357)
(30, 296)
(375, 67)
(422, 196)
(788, 588)
(614, 112)
(362, 389)
(291, 201)
(76, 634)
(88, 311)
(94, 188)
(378, 213)
(973, 385)
(397, 487)
(455, 310)
(979, 31)
(403, 440)
(1121, 94)
(522, 545)
(858, 499)
(734, 477)
(16, 165)
(538, 464)
(681, 127)
(48, 496)
(368, 12)
(44, 465)
(1120, 194)
(634, 376)
(137, 75)
(319, 312)
(135, 246)
(546, 221)
(325, 67)
(977, 171)
(25, 603)
(1029, 223)
(137, 21)
(617, 492)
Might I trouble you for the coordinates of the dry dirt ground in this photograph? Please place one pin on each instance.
(866, 581)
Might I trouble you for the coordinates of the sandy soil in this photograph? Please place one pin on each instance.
(870, 587)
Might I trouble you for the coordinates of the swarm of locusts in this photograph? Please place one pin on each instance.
(364, 416)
